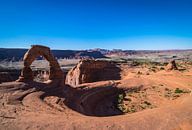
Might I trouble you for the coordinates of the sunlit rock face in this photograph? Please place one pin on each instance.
(88, 71)
(55, 72)
(171, 66)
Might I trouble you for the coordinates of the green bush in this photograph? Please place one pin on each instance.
(177, 90)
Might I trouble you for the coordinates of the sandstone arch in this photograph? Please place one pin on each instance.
(35, 51)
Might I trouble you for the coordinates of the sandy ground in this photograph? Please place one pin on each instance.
(89, 106)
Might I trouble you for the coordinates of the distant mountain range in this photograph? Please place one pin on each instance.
(17, 54)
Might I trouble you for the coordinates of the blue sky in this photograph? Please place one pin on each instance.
(85, 24)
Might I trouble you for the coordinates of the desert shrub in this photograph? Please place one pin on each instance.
(147, 103)
(153, 70)
(139, 72)
(177, 90)
(120, 98)
(120, 104)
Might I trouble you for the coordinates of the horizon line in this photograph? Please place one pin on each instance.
(56, 49)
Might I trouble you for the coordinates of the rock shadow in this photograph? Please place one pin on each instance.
(96, 101)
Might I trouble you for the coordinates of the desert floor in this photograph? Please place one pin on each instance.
(91, 106)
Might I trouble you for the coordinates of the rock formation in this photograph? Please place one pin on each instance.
(35, 51)
(9, 75)
(88, 71)
(171, 66)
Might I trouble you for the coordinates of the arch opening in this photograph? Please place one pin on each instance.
(40, 67)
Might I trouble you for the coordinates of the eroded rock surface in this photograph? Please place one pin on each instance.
(35, 51)
(172, 66)
(33, 105)
(88, 71)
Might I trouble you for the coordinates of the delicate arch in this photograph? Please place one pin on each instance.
(31, 55)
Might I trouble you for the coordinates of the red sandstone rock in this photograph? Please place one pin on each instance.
(35, 51)
(88, 71)
(172, 66)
